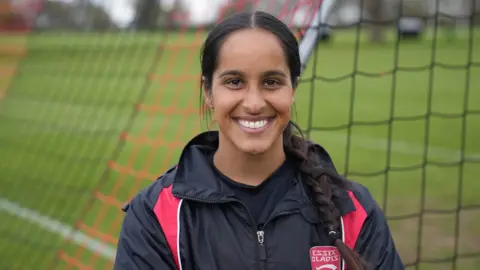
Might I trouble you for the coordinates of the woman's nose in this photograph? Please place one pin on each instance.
(254, 102)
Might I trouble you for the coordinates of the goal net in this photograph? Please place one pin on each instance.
(99, 99)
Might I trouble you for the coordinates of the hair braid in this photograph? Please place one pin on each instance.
(325, 185)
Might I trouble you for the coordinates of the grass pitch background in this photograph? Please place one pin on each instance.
(73, 94)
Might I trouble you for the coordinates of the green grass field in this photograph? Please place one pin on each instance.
(73, 94)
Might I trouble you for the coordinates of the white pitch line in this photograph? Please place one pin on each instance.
(57, 227)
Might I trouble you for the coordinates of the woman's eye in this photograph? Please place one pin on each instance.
(235, 82)
(271, 82)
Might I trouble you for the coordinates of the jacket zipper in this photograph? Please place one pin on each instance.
(263, 251)
(261, 236)
(259, 230)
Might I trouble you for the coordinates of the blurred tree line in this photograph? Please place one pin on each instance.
(85, 15)
(78, 15)
(151, 15)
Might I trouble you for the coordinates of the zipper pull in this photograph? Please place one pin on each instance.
(261, 239)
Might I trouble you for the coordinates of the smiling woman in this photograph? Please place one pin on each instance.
(253, 195)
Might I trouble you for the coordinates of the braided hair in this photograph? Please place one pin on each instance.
(324, 183)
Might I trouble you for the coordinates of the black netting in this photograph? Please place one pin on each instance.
(92, 109)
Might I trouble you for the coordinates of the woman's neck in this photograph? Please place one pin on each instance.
(245, 168)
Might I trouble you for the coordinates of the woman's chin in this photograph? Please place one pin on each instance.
(254, 147)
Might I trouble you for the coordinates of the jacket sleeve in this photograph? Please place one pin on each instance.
(142, 244)
(376, 244)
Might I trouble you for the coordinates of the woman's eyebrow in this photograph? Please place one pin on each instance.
(264, 74)
(231, 72)
(274, 73)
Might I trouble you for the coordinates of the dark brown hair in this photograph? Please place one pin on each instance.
(324, 183)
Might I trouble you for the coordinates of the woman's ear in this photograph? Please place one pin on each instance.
(207, 93)
(208, 100)
(295, 85)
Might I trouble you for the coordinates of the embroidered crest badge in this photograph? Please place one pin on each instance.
(325, 258)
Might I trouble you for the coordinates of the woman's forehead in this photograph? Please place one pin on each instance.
(252, 49)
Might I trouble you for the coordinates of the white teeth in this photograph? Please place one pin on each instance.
(253, 124)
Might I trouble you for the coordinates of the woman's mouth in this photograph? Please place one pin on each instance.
(254, 126)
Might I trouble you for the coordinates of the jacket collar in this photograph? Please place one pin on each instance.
(195, 179)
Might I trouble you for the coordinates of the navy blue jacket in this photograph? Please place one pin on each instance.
(188, 220)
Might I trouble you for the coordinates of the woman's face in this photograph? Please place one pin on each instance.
(251, 93)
